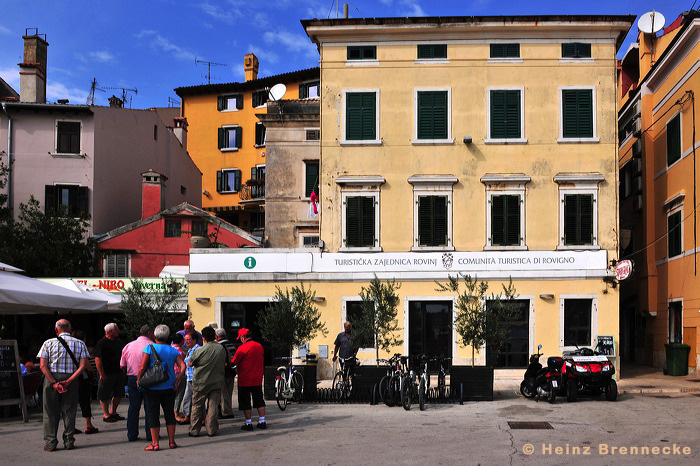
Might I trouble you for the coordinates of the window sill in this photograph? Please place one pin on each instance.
(345, 142)
(505, 60)
(229, 149)
(258, 146)
(432, 142)
(432, 248)
(577, 60)
(578, 247)
(229, 110)
(505, 248)
(505, 141)
(261, 106)
(363, 249)
(67, 155)
(431, 61)
(227, 192)
(362, 63)
(578, 140)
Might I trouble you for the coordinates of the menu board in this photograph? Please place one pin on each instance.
(11, 388)
(606, 345)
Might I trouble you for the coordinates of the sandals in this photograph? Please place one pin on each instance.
(91, 430)
(152, 447)
(172, 445)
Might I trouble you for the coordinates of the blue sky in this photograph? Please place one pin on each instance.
(151, 45)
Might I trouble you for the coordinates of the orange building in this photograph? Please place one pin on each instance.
(227, 141)
(659, 85)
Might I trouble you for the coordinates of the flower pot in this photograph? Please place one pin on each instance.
(199, 242)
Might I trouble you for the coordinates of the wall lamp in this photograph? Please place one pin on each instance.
(319, 299)
(205, 192)
(546, 296)
(467, 139)
(202, 300)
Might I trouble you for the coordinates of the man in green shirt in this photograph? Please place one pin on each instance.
(208, 362)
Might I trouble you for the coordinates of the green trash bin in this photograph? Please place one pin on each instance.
(677, 358)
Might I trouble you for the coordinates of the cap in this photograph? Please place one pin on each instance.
(242, 332)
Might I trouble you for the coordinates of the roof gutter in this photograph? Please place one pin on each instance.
(9, 161)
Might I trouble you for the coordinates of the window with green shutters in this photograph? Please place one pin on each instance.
(505, 114)
(228, 181)
(578, 219)
(673, 140)
(575, 50)
(362, 52)
(259, 134)
(360, 228)
(230, 137)
(311, 183)
(505, 50)
(229, 102)
(432, 115)
(505, 220)
(428, 51)
(675, 242)
(361, 116)
(432, 221)
(577, 113)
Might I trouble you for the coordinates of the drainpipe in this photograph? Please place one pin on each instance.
(9, 161)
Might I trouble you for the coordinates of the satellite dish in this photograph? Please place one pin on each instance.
(651, 23)
(277, 91)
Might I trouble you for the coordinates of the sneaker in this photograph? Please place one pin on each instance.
(53, 447)
(261, 425)
(248, 427)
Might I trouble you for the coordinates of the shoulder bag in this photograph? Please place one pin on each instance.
(72, 356)
(155, 374)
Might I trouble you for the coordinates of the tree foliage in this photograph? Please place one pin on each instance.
(44, 245)
(377, 325)
(291, 319)
(479, 319)
(152, 306)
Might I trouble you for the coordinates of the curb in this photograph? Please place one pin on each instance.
(657, 391)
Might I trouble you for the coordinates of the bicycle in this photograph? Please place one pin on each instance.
(441, 376)
(342, 381)
(289, 385)
(412, 386)
(390, 384)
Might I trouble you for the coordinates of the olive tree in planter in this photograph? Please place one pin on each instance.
(480, 320)
(153, 306)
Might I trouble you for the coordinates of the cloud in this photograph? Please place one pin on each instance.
(10, 75)
(265, 55)
(4, 30)
(99, 56)
(228, 15)
(55, 91)
(294, 42)
(412, 8)
(161, 43)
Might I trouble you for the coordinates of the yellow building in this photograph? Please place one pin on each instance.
(480, 145)
(659, 81)
(227, 141)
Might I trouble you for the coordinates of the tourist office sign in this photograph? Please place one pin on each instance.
(495, 264)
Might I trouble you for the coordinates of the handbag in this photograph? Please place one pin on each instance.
(155, 374)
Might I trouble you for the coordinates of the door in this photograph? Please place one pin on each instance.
(515, 352)
(238, 315)
(430, 329)
(690, 338)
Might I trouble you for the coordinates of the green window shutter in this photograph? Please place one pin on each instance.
(367, 52)
(49, 198)
(505, 114)
(239, 137)
(222, 138)
(432, 221)
(586, 219)
(359, 221)
(584, 50)
(360, 115)
(512, 216)
(425, 221)
(427, 51)
(219, 181)
(577, 113)
(432, 115)
(578, 219)
(352, 221)
(354, 53)
(220, 103)
(311, 178)
(239, 101)
(568, 50)
(576, 50)
(674, 234)
(237, 180)
(368, 233)
(498, 220)
(505, 50)
(259, 134)
(83, 200)
(440, 221)
(303, 91)
(424, 51)
(673, 140)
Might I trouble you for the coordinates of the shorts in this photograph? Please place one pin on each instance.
(112, 385)
(244, 395)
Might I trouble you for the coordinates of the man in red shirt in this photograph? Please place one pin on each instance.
(249, 361)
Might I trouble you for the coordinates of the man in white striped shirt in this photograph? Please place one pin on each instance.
(61, 370)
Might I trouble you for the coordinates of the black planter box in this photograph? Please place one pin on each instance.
(477, 383)
(308, 372)
(364, 378)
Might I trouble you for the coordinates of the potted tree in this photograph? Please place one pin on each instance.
(479, 320)
(290, 320)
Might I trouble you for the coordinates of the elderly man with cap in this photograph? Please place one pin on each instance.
(249, 359)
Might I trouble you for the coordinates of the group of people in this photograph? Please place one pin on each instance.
(200, 367)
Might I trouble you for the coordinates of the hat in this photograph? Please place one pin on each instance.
(242, 332)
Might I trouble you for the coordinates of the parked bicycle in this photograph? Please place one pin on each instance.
(443, 364)
(289, 386)
(414, 385)
(390, 384)
(342, 381)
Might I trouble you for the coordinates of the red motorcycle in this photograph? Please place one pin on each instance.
(585, 370)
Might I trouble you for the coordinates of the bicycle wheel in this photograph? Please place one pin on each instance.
(385, 391)
(297, 385)
(406, 392)
(421, 394)
(337, 381)
(441, 385)
(280, 387)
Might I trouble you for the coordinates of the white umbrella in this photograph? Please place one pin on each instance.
(24, 295)
(113, 300)
(8, 268)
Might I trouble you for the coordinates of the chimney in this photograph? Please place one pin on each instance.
(152, 193)
(116, 102)
(250, 66)
(180, 130)
(32, 71)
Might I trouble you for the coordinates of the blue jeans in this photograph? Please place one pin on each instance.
(132, 417)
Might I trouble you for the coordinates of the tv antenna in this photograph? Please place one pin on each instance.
(91, 96)
(173, 102)
(651, 23)
(125, 91)
(209, 64)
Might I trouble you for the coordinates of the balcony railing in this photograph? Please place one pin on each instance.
(253, 189)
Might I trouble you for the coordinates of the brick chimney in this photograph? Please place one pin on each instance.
(152, 193)
(32, 71)
(250, 66)
(115, 102)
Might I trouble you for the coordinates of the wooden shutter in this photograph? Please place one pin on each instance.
(259, 134)
(236, 180)
(425, 221)
(303, 91)
(360, 114)
(311, 178)
(220, 103)
(354, 53)
(568, 50)
(578, 219)
(222, 138)
(505, 114)
(432, 115)
(239, 136)
(674, 234)
(440, 220)
(585, 218)
(505, 50)
(239, 101)
(368, 235)
(219, 181)
(83, 201)
(359, 221)
(512, 217)
(432, 220)
(497, 220)
(74, 137)
(577, 113)
(576, 50)
(673, 140)
(352, 221)
(49, 199)
(424, 51)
